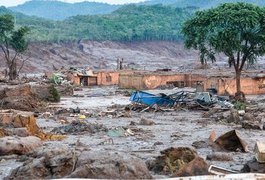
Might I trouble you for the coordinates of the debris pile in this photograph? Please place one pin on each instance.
(22, 124)
(20, 98)
(115, 113)
(108, 139)
(18, 145)
(230, 141)
(177, 162)
(66, 163)
(188, 99)
(247, 119)
(120, 132)
(257, 164)
(76, 127)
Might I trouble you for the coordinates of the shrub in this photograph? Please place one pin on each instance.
(54, 94)
(239, 105)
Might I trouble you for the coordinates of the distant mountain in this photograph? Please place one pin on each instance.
(57, 10)
(203, 4)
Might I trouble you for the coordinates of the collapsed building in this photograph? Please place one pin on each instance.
(224, 83)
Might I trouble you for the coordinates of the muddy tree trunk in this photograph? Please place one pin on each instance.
(238, 84)
(12, 73)
(240, 96)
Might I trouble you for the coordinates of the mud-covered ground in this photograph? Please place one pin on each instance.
(43, 57)
(177, 128)
(173, 128)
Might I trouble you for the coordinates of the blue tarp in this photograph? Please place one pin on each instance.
(151, 99)
(182, 97)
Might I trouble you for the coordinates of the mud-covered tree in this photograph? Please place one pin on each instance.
(12, 43)
(237, 30)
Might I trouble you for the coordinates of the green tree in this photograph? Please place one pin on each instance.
(12, 43)
(237, 30)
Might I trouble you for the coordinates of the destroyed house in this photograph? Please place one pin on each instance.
(83, 79)
(152, 80)
(251, 83)
(223, 83)
(104, 78)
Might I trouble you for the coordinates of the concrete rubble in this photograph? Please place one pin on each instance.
(97, 132)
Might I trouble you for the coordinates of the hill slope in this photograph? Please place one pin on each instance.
(203, 4)
(103, 55)
(129, 23)
(58, 10)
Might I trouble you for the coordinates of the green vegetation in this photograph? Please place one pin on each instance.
(237, 30)
(12, 38)
(54, 94)
(58, 10)
(239, 105)
(202, 4)
(129, 23)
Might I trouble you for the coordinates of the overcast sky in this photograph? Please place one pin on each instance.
(8, 3)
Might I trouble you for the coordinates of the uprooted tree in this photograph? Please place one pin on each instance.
(12, 43)
(237, 30)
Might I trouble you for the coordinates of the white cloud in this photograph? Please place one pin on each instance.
(8, 3)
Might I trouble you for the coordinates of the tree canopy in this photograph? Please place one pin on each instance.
(12, 43)
(237, 30)
(129, 23)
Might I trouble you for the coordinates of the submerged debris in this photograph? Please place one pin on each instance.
(65, 163)
(76, 127)
(181, 161)
(12, 120)
(18, 145)
(146, 122)
(19, 98)
(219, 157)
(231, 141)
(120, 132)
(253, 166)
(260, 151)
(189, 99)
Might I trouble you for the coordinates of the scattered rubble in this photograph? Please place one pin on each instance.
(231, 141)
(254, 167)
(179, 162)
(203, 99)
(252, 125)
(65, 163)
(18, 145)
(219, 157)
(120, 132)
(146, 122)
(19, 97)
(77, 127)
(118, 140)
(14, 121)
(260, 151)
(200, 144)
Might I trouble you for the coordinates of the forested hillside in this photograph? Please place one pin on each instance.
(129, 23)
(203, 4)
(58, 10)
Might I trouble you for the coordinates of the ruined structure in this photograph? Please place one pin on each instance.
(252, 83)
(225, 84)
